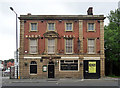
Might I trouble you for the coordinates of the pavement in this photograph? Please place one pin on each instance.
(103, 82)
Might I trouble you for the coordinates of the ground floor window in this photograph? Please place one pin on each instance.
(33, 67)
(69, 65)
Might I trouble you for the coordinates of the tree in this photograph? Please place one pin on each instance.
(112, 38)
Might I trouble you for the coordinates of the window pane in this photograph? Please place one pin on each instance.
(33, 26)
(90, 26)
(68, 26)
(33, 49)
(33, 69)
(33, 42)
(51, 26)
(69, 45)
(51, 46)
(91, 46)
(33, 45)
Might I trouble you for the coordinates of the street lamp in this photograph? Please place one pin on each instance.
(16, 41)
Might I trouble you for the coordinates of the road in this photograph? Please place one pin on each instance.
(34, 83)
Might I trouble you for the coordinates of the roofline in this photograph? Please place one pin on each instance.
(61, 17)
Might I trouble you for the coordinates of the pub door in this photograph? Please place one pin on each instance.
(51, 71)
(91, 69)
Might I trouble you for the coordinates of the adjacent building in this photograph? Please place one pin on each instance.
(1, 65)
(62, 46)
(9, 64)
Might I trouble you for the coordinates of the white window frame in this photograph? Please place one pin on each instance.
(30, 45)
(89, 46)
(51, 26)
(51, 45)
(90, 25)
(69, 25)
(34, 26)
(67, 46)
(30, 68)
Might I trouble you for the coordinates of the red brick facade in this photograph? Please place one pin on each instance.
(60, 64)
(60, 28)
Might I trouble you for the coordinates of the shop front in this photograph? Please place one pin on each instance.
(91, 67)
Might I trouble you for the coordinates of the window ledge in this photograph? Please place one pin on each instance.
(68, 53)
(33, 74)
(91, 53)
(51, 53)
(68, 30)
(33, 30)
(33, 53)
(91, 30)
(50, 30)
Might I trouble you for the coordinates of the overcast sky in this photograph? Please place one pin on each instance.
(43, 7)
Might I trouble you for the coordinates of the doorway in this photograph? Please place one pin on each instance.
(91, 69)
(51, 70)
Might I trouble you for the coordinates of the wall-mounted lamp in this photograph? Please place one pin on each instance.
(98, 38)
(81, 63)
(98, 51)
(42, 21)
(41, 60)
(75, 20)
(25, 51)
(25, 63)
(98, 21)
(60, 20)
(24, 21)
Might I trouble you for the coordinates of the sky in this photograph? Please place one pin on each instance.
(43, 7)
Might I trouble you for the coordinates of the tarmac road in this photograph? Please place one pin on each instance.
(81, 83)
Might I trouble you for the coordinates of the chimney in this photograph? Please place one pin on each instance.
(29, 14)
(90, 11)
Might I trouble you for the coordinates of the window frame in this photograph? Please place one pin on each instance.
(30, 69)
(48, 46)
(66, 26)
(36, 46)
(31, 28)
(94, 46)
(48, 26)
(72, 46)
(94, 26)
(68, 62)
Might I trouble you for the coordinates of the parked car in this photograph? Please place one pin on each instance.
(6, 72)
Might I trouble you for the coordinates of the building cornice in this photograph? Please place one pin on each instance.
(61, 17)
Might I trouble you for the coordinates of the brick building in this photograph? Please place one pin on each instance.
(62, 46)
(9, 64)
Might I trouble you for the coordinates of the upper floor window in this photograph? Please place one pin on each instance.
(51, 46)
(69, 46)
(91, 26)
(51, 26)
(33, 27)
(69, 27)
(91, 46)
(33, 46)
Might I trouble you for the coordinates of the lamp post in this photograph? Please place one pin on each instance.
(16, 41)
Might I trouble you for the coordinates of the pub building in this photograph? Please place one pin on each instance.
(62, 46)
